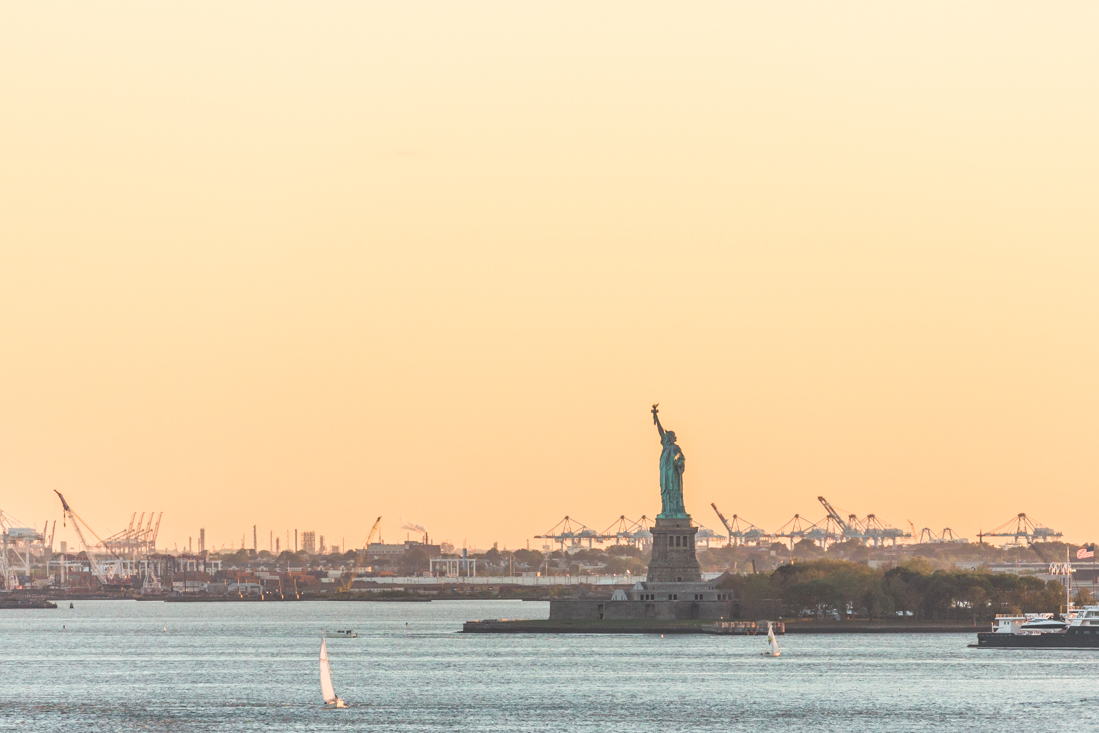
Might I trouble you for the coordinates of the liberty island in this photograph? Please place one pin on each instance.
(673, 588)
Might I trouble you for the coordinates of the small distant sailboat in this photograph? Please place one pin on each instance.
(773, 650)
(328, 692)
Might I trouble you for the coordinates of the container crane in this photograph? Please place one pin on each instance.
(1022, 527)
(741, 531)
(852, 528)
(880, 531)
(346, 587)
(571, 531)
(705, 534)
(798, 529)
(835, 516)
(927, 537)
(634, 533)
(723, 522)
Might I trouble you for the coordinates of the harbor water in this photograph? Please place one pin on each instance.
(180, 667)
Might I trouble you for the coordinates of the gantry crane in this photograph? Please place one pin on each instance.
(845, 528)
(1022, 527)
(797, 529)
(634, 533)
(571, 531)
(880, 531)
(346, 587)
(741, 531)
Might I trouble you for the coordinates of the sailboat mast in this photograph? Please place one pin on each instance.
(1068, 581)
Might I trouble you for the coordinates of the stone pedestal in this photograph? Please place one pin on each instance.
(673, 558)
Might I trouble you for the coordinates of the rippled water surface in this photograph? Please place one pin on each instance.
(125, 665)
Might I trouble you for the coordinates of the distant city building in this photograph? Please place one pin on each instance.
(309, 541)
(377, 549)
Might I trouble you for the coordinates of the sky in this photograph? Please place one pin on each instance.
(297, 266)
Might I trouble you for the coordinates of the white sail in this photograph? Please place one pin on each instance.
(772, 640)
(328, 692)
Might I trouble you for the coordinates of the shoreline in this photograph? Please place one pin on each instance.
(532, 626)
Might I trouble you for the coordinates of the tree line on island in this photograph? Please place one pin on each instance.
(914, 590)
(613, 560)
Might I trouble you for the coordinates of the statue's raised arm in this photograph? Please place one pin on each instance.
(656, 420)
(672, 464)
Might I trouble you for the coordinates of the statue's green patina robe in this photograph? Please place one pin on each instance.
(672, 464)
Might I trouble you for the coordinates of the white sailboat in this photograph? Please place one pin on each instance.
(773, 651)
(328, 692)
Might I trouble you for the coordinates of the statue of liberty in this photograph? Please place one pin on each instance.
(671, 474)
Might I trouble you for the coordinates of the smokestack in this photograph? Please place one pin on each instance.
(255, 547)
(295, 540)
(201, 539)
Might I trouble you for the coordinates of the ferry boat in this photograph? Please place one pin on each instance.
(341, 634)
(1076, 629)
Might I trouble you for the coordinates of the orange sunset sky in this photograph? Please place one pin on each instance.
(298, 265)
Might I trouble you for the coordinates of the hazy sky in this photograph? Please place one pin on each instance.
(299, 265)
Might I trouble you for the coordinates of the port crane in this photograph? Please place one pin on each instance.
(871, 528)
(881, 532)
(135, 542)
(1022, 527)
(798, 529)
(845, 529)
(623, 529)
(741, 531)
(571, 531)
(704, 534)
(73, 517)
(346, 587)
(8, 570)
(927, 537)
